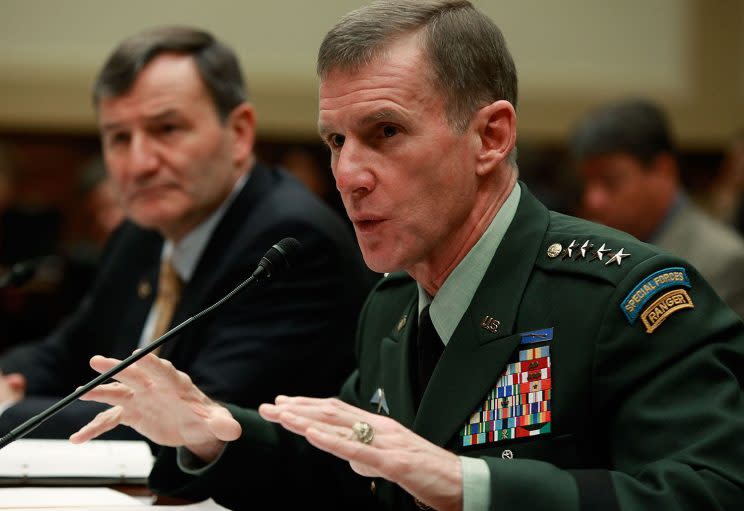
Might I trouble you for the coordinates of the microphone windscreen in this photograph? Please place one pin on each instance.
(279, 257)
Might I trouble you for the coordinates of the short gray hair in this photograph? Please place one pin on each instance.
(472, 66)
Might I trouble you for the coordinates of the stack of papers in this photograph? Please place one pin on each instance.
(84, 499)
(58, 462)
(44, 498)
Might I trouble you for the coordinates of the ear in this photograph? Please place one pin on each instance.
(242, 126)
(666, 166)
(496, 129)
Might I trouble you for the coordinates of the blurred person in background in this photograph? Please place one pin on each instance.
(6, 181)
(725, 198)
(626, 157)
(63, 275)
(178, 132)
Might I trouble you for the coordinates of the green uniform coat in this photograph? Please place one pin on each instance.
(637, 420)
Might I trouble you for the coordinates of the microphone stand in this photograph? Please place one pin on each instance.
(35, 421)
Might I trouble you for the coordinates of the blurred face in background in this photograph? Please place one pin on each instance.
(171, 158)
(621, 192)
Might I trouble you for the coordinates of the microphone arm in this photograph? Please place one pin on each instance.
(277, 259)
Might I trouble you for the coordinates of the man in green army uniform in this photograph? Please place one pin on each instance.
(522, 359)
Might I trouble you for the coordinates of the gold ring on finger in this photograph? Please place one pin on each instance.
(363, 432)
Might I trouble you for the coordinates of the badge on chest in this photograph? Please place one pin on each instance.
(519, 404)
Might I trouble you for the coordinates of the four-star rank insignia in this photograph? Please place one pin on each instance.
(584, 249)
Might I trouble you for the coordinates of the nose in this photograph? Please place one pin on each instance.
(352, 169)
(143, 156)
(595, 198)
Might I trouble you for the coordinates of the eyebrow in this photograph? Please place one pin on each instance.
(160, 116)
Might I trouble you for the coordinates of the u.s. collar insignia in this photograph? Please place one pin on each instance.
(490, 324)
(378, 398)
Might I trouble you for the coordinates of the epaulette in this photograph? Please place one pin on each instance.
(577, 246)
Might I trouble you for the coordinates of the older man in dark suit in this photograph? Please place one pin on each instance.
(178, 133)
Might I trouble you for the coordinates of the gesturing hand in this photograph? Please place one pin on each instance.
(12, 387)
(428, 472)
(161, 403)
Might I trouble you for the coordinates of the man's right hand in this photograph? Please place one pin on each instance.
(12, 387)
(161, 403)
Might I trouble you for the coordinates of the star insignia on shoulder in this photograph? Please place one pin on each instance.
(599, 253)
(585, 247)
(617, 257)
(568, 251)
(577, 250)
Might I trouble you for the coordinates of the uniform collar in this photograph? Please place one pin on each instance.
(456, 293)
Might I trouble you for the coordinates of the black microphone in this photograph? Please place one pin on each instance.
(19, 273)
(277, 259)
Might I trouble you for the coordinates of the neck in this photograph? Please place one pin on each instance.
(432, 273)
(178, 232)
(658, 217)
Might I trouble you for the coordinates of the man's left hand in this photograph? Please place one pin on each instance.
(428, 472)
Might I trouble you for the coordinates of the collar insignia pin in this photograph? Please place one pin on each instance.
(378, 398)
(490, 324)
(554, 250)
(401, 322)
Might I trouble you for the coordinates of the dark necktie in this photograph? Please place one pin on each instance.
(429, 348)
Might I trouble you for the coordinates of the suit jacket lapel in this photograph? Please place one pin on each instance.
(461, 379)
(395, 362)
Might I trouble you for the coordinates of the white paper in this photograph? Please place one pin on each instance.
(207, 505)
(112, 460)
(63, 498)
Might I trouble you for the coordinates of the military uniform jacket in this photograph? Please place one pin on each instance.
(624, 418)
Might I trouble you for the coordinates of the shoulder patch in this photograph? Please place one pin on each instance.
(649, 287)
(666, 305)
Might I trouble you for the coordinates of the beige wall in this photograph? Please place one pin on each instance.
(687, 54)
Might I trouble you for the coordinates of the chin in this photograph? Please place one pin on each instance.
(379, 262)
